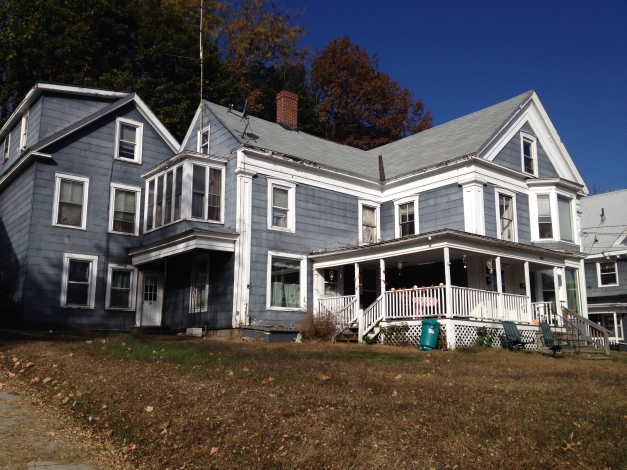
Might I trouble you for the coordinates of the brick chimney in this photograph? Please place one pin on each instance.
(287, 108)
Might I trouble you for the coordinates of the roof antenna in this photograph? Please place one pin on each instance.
(201, 76)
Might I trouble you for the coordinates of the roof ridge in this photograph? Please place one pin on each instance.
(605, 194)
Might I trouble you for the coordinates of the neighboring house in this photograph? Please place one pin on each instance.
(253, 224)
(604, 237)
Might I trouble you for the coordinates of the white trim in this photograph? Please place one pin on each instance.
(139, 135)
(205, 211)
(91, 293)
(180, 158)
(57, 192)
(618, 319)
(133, 287)
(137, 192)
(303, 281)
(242, 248)
(191, 128)
(397, 204)
(6, 144)
(291, 201)
(474, 215)
(497, 192)
(156, 123)
(606, 254)
(534, 152)
(154, 206)
(201, 257)
(377, 207)
(24, 132)
(598, 263)
(19, 165)
(199, 133)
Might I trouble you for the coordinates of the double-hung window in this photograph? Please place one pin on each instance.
(565, 219)
(78, 289)
(70, 201)
(200, 284)
(164, 198)
(506, 215)
(5, 147)
(405, 217)
(607, 274)
(528, 145)
(121, 287)
(281, 202)
(24, 132)
(545, 222)
(129, 136)
(124, 209)
(287, 281)
(203, 141)
(207, 193)
(368, 222)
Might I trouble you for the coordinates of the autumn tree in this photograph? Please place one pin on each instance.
(359, 105)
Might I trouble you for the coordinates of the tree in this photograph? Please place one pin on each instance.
(359, 105)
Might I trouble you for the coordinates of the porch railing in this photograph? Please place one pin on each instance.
(372, 315)
(422, 302)
(475, 303)
(546, 312)
(588, 330)
(515, 307)
(343, 310)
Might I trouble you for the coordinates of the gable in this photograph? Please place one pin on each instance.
(221, 139)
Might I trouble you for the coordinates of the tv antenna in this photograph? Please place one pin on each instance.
(201, 79)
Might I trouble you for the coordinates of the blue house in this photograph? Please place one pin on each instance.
(107, 222)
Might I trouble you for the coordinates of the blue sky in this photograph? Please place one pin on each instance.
(463, 56)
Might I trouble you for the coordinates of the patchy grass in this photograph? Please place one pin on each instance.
(219, 404)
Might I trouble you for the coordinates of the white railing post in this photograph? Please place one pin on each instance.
(499, 287)
(360, 312)
(384, 311)
(447, 277)
(528, 292)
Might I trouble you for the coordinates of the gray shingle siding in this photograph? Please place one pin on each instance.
(387, 221)
(441, 208)
(510, 155)
(522, 212)
(595, 291)
(489, 210)
(324, 220)
(34, 122)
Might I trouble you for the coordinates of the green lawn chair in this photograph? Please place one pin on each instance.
(549, 340)
(512, 336)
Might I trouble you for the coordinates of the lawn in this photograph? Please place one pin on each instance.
(165, 402)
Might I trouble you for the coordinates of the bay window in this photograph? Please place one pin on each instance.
(545, 223)
(565, 219)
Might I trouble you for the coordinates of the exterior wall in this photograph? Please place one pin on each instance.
(597, 294)
(490, 211)
(387, 221)
(325, 220)
(34, 122)
(441, 208)
(89, 153)
(15, 217)
(510, 156)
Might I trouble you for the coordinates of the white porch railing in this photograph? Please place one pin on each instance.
(422, 302)
(475, 303)
(515, 307)
(342, 309)
(372, 316)
(587, 329)
(546, 312)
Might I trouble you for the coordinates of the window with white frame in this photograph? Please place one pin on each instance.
(406, 217)
(5, 147)
(203, 141)
(281, 202)
(129, 135)
(124, 209)
(200, 284)
(70, 201)
(78, 288)
(565, 218)
(164, 198)
(506, 215)
(528, 147)
(121, 287)
(207, 193)
(24, 132)
(607, 273)
(545, 222)
(368, 222)
(287, 281)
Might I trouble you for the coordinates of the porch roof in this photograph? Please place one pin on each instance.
(218, 239)
(442, 236)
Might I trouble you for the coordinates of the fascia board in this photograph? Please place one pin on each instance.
(156, 123)
(605, 253)
(184, 156)
(190, 129)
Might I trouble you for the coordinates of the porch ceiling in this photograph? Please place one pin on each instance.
(216, 239)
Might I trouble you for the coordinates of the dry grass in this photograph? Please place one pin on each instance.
(333, 406)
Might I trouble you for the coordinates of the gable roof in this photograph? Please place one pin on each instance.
(458, 138)
(610, 233)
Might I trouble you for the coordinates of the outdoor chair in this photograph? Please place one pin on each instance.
(512, 336)
(549, 340)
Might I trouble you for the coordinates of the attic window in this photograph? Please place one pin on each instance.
(24, 132)
(129, 136)
(203, 141)
(5, 148)
(528, 154)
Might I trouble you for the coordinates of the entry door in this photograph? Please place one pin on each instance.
(152, 298)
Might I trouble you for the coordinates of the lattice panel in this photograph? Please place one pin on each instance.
(466, 335)
(411, 337)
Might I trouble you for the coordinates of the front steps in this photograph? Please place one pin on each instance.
(578, 347)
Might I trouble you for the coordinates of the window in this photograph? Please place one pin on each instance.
(611, 321)
(24, 132)
(164, 198)
(281, 199)
(506, 216)
(5, 147)
(368, 222)
(572, 289)
(528, 144)
(607, 273)
(406, 216)
(545, 224)
(128, 137)
(78, 288)
(121, 287)
(198, 191)
(70, 201)
(124, 209)
(287, 281)
(203, 141)
(200, 284)
(207, 186)
(565, 219)
(331, 282)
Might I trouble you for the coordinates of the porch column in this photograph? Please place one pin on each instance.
(499, 286)
(615, 328)
(528, 292)
(558, 293)
(382, 277)
(582, 290)
(447, 277)
(318, 289)
(360, 313)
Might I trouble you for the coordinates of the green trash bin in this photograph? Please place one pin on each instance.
(429, 335)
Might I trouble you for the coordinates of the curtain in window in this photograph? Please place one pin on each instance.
(285, 283)
(608, 273)
(124, 211)
(280, 207)
(120, 296)
(572, 291)
(198, 191)
(506, 211)
(566, 219)
(215, 190)
(545, 225)
(369, 224)
(78, 282)
(70, 203)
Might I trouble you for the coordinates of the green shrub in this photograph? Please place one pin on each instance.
(484, 338)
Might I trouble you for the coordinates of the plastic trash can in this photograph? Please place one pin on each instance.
(429, 335)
